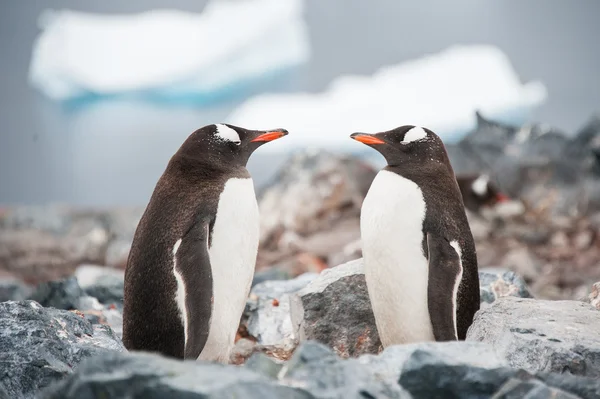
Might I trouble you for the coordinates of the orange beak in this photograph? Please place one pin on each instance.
(270, 136)
(366, 138)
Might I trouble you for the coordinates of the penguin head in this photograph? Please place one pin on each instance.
(227, 144)
(406, 145)
(484, 190)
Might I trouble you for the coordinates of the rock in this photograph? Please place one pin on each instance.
(108, 290)
(522, 261)
(142, 375)
(61, 294)
(96, 313)
(539, 335)
(13, 289)
(268, 311)
(316, 368)
(531, 389)
(497, 283)
(334, 309)
(594, 296)
(41, 345)
(270, 274)
(89, 275)
(426, 375)
(263, 365)
(317, 194)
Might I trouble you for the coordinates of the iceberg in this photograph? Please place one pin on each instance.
(168, 54)
(440, 91)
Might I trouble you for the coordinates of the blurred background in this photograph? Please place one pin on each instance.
(110, 151)
(97, 96)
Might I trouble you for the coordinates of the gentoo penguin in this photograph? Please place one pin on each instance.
(479, 192)
(418, 250)
(193, 255)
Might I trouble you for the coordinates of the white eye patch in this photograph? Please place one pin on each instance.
(414, 134)
(228, 134)
(480, 185)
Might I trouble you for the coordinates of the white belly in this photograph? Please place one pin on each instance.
(396, 270)
(233, 257)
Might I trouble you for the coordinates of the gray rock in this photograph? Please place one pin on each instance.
(538, 335)
(425, 376)
(315, 368)
(270, 274)
(268, 311)
(13, 289)
(530, 389)
(39, 346)
(108, 290)
(494, 284)
(334, 309)
(315, 191)
(147, 376)
(60, 294)
(262, 364)
(96, 313)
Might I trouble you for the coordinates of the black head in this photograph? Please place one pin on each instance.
(225, 145)
(406, 146)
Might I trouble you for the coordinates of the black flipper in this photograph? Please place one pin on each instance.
(193, 263)
(444, 269)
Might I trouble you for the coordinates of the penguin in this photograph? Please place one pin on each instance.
(479, 192)
(418, 250)
(192, 260)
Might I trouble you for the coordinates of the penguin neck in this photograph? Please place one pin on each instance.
(206, 168)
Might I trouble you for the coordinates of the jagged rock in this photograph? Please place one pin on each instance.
(61, 294)
(538, 335)
(334, 309)
(497, 283)
(141, 375)
(268, 311)
(13, 289)
(41, 345)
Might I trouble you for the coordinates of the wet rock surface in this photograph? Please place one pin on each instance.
(39, 346)
(538, 335)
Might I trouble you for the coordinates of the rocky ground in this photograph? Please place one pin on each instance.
(308, 329)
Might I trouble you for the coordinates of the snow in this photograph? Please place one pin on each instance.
(440, 91)
(167, 53)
